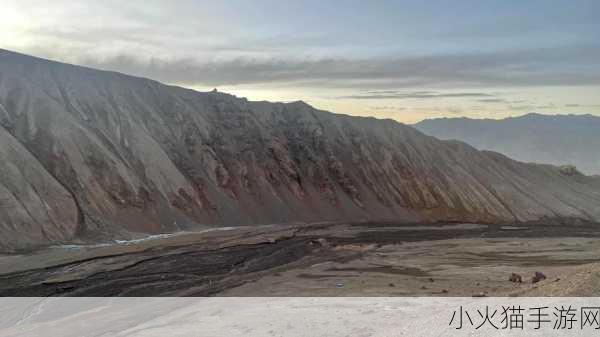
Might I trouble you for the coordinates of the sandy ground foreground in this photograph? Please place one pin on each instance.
(296, 316)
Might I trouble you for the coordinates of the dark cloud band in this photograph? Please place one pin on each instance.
(559, 66)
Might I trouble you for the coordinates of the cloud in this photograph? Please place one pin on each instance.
(224, 44)
(388, 108)
(532, 107)
(454, 111)
(319, 46)
(437, 109)
(544, 67)
(582, 105)
(394, 92)
(413, 95)
(492, 100)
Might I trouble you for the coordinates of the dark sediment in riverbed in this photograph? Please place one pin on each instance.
(225, 260)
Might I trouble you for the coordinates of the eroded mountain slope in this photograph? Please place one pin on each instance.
(140, 156)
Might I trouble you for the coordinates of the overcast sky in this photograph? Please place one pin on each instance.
(406, 60)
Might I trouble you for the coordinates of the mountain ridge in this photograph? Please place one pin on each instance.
(553, 139)
(127, 155)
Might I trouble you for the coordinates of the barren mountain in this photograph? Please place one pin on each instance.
(558, 140)
(89, 154)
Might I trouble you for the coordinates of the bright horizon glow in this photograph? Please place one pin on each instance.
(413, 111)
(404, 60)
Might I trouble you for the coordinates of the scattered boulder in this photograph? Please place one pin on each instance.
(391, 285)
(480, 294)
(321, 242)
(539, 276)
(431, 280)
(516, 278)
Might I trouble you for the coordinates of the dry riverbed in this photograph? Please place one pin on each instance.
(375, 259)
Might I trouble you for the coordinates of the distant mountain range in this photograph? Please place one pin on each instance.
(91, 155)
(552, 139)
